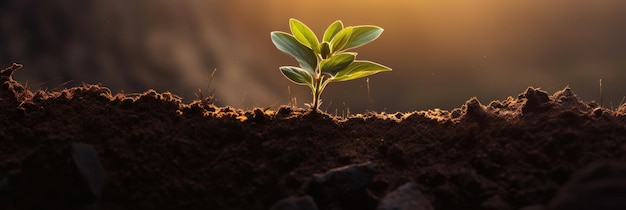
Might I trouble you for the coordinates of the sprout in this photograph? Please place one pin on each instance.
(323, 62)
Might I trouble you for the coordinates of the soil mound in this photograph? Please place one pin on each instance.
(159, 153)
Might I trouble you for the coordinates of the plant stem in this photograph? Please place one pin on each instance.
(316, 93)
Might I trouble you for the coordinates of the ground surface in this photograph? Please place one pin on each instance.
(158, 153)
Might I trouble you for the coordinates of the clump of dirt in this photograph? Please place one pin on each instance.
(160, 153)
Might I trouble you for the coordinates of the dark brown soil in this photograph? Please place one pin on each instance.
(159, 153)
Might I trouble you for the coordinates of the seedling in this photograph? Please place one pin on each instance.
(326, 61)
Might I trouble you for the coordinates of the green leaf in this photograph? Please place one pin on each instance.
(332, 30)
(336, 63)
(362, 35)
(304, 34)
(359, 69)
(325, 50)
(297, 75)
(288, 44)
(341, 39)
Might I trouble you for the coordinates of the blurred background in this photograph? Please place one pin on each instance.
(441, 52)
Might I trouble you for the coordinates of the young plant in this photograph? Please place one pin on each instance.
(326, 61)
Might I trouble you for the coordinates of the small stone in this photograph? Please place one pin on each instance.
(599, 186)
(406, 197)
(341, 185)
(344, 179)
(295, 203)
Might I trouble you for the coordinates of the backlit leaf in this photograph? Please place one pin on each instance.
(362, 35)
(332, 30)
(325, 50)
(288, 44)
(297, 75)
(336, 63)
(359, 69)
(341, 39)
(304, 34)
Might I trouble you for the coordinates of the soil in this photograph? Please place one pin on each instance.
(160, 153)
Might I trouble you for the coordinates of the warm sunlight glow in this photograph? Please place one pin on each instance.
(442, 52)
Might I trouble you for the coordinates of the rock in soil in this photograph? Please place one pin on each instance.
(342, 187)
(406, 197)
(600, 186)
(295, 203)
